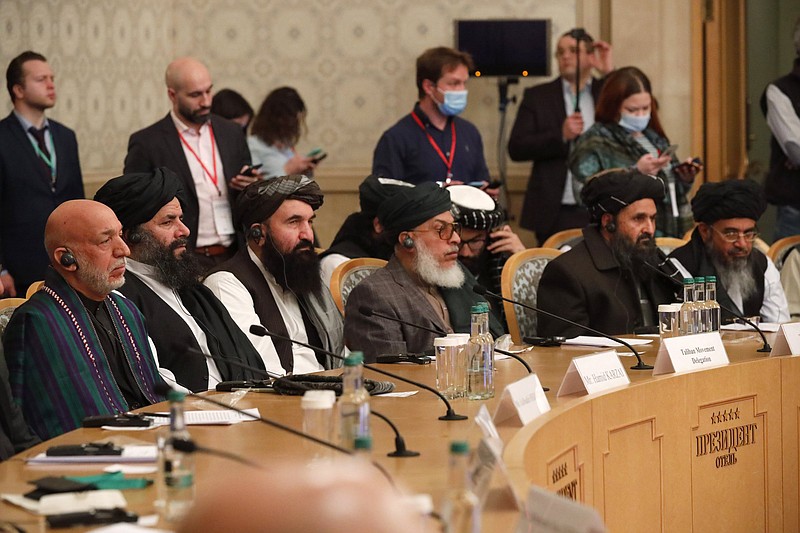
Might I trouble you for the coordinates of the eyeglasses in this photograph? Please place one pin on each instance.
(732, 235)
(476, 244)
(446, 230)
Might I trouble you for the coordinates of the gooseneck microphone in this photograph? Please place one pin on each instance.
(258, 329)
(163, 388)
(480, 289)
(368, 311)
(234, 362)
(765, 348)
(190, 446)
(400, 449)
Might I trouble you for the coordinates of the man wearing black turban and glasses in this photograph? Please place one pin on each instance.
(722, 245)
(275, 280)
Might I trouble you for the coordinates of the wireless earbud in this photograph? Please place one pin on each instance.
(611, 227)
(67, 260)
(408, 242)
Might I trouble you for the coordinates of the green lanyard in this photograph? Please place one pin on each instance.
(48, 160)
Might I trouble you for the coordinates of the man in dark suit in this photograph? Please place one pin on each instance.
(422, 283)
(546, 125)
(208, 153)
(39, 169)
(604, 282)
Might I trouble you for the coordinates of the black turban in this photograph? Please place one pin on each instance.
(412, 206)
(136, 198)
(728, 199)
(475, 209)
(259, 200)
(612, 190)
(375, 189)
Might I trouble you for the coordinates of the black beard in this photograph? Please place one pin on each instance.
(476, 263)
(632, 255)
(298, 271)
(175, 272)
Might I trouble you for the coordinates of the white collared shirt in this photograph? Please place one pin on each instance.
(148, 275)
(207, 192)
(239, 303)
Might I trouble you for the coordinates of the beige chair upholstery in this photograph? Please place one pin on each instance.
(520, 281)
(7, 308)
(349, 274)
(780, 249)
(35, 286)
(667, 244)
(567, 237)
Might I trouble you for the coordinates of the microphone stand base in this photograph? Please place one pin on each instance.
(641, 366)
(403, 453)
(765, 349)
(453, 416)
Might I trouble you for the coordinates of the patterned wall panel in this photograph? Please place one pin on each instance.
(352, 61)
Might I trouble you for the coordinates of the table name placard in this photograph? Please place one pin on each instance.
(522, 401)
(787, 340)
(547, 512)
(594, 373)
(690, 352)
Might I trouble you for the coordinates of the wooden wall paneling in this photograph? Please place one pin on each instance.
(790, 393)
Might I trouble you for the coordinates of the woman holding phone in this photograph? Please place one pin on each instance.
(276, 130)
(628, 133)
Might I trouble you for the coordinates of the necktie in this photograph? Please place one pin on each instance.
(43, 152)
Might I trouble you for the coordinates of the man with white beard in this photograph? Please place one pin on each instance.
(727, 214)
(423, 283)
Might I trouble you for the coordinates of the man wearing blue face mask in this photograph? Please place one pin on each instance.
(431, 143)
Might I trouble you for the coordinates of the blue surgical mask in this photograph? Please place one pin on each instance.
(454, 102)
(634, 122)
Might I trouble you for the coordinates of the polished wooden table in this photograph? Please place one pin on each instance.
(628, 452)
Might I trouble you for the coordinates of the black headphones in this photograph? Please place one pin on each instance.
(255, 232)
(408, 242)
(68, 260)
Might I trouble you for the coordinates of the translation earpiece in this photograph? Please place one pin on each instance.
(611, 227)
(67, 260)
(255, 232)
(408, 242)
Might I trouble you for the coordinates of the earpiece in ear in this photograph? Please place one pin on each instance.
(135, 237)
(408, 242)
(255, 232)
(611, 227)
(67, 260)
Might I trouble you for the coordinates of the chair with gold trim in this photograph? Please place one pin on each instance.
(567, 237)
(667, 244)
(780, 249)
(7, 308)
(349, 274)
(35, 286)
(520, 281)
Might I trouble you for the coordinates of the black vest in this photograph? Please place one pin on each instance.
(782, 185)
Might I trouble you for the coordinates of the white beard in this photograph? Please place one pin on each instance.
(429, 271)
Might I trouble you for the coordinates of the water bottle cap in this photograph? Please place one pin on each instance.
(318, 399)
(459, 447)
(701, 279)
(688, 280)
(712, 279)
(665, 308)
(363, 442)
(475, 309)
(175, 395)
(354, 359)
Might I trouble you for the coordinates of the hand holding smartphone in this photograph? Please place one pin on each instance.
(316, 155)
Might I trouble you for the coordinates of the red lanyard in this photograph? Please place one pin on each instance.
(212, 177)
(447, 162)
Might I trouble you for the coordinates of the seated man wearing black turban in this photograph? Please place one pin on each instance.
(184, 319)
(722, 245)
(603, 281)
(275, 280)
(360, 234)
(423, 283)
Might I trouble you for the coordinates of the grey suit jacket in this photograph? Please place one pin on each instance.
(391, 291)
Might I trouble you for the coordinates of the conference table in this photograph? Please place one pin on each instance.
(711, 450)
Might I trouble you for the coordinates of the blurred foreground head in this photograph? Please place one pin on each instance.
(342, 497)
